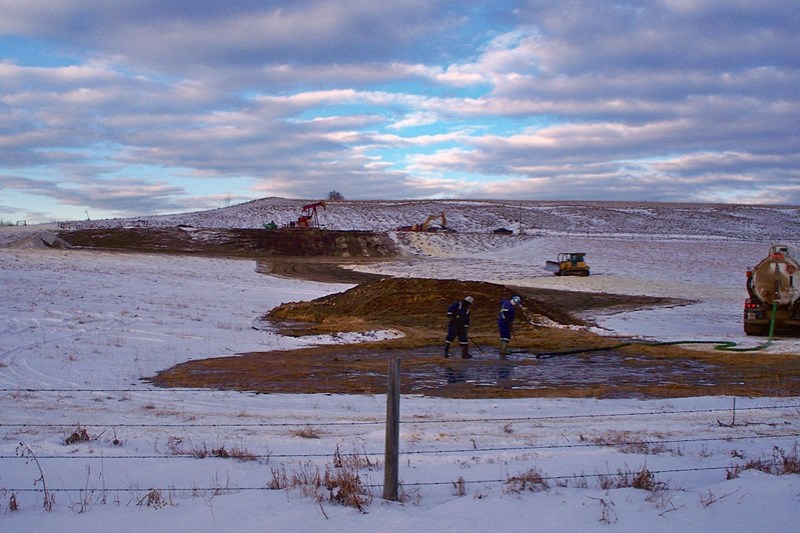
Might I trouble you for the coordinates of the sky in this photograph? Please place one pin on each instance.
(136, 107)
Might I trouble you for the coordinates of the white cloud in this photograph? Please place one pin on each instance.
(405, 99)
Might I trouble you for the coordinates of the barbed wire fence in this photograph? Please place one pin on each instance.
(467, 451)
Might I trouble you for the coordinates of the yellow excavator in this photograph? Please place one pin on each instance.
(426, 225)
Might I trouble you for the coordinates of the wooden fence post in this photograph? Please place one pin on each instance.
(392, 455)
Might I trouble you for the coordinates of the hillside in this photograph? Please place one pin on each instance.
(744, 222)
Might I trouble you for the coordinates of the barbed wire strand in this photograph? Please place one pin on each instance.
(244, 456)
(231, 490)
(414, 421)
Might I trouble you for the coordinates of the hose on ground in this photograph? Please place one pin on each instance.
(725, 346)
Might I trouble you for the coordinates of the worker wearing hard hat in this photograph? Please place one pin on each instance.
(505, 319)
(458, 313)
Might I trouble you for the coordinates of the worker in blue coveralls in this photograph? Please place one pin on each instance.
(505, 319)
(458, 313)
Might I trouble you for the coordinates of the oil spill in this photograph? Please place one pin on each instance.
(598, 374)
(615, 373)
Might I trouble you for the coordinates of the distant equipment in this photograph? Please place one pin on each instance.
(773, 282)
(568, 264)
(426, 224)
(309, 219)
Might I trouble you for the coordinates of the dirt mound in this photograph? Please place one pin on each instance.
(237, 242)
(410, 304)
(40, 240)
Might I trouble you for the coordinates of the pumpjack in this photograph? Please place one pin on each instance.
(309, 219)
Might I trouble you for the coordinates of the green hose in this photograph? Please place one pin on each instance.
(726, 346)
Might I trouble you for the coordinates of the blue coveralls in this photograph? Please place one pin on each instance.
(458, 313)
(504, 320)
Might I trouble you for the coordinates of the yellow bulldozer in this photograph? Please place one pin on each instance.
(568, 264)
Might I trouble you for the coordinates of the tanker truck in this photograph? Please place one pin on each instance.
(774, 281)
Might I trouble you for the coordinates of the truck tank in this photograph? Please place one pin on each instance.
(776, 279)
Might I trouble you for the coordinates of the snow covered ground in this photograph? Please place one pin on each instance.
(79, 331)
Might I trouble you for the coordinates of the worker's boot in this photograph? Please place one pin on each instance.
(447, 349)
(465, 351)
(503, 347)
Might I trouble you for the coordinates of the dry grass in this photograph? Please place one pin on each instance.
(12, 503)
(781, 463)
(643, 480)
(353, 461)
(239, 454)
(459, 487)
(176, 446)
(79, 435)
(340, 482)
(532, 480)
(155, 499)
(307, 432)
(25, 451)
(630, 442)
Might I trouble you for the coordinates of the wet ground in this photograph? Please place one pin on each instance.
(615, 373)
(631, 372)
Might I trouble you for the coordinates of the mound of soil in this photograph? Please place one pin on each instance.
(40, 240)
(237, 242)
(410, 304)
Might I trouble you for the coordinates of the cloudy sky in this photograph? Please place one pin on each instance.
(131, 107)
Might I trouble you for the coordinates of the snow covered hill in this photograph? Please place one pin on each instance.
(741, 222)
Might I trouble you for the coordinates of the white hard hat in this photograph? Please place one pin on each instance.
(469, 299)
(516, 300)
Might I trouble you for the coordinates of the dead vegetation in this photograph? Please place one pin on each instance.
(155, 499)
(532, 481)
(342, 481)
(79, 435)
(631, 443)
(781, 463)
(177, 446)
(642, 480)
